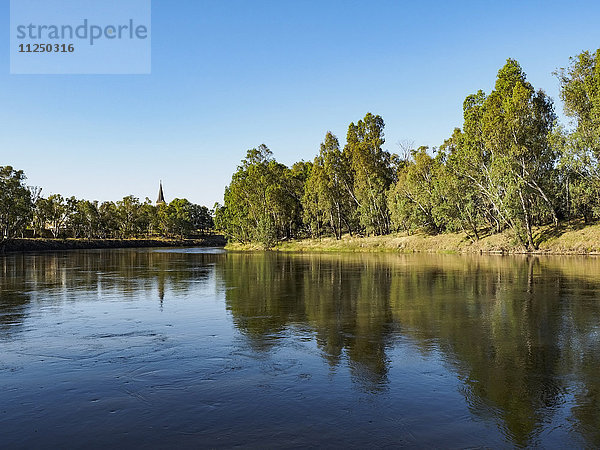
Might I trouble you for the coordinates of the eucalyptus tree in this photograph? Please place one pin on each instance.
(328, 194)
(245, 209)
(16, 206)
(466, 206)
(312, 212)
(261, 201)
(54, 211)
(147, 218)
(371, 170)
(295, 181)
(201, 218)
(128, 214)
(580, 149)
(415, 200)
(505, 153)
(176, 218)
(84, 221)
(108, 220)
(517, 121)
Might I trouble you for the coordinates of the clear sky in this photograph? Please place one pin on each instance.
(229, 75)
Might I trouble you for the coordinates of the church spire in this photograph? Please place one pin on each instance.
(161, 198)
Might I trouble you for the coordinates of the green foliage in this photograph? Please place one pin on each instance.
(128, 214)
(415, 199)
(502, 161)
(16, 206)
(85, 219)
(262, 202)
(125, 219)
(328, 197)
(371, 168)
(580, 149)
(176, 218)
(200, 218)
(53, 211)
(505, 169)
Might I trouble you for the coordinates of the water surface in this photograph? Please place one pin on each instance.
(201, 348)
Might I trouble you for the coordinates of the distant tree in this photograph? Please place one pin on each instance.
(517, 121)
(201, 218)
(295, 180)
(177, 217)
(128, 213)
(84, 219)
(16, 206)
(465, 206)
(108, 220)
(147, 218)
(53, 211)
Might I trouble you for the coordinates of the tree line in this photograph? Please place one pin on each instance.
(511, 166)
(24, 211)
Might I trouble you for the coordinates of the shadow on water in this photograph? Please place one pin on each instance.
(520, 334)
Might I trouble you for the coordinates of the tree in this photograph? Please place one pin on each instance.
(201, 218)
(328, 191)
(580, 149)
(262, 202)
(147, 218)
(371, 170)
(54, 211)
(295, 180)
(177, 217)
(466, 208)
(505, 153)
(517, 121)
(108, 220)
(415, 199)
(16, 206)
(128, 213)
(84, 221)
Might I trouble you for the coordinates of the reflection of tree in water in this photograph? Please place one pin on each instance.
(115, 273)
(582, 335)
(13, 297)
(504, 324)
(499, 328)
(344, 303)
(263, 294)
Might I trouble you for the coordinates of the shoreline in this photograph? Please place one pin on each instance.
(27, 245)
(566, 240)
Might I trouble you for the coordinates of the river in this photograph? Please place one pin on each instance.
(197, 348)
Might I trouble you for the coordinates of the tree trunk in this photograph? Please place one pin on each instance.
(530, 244)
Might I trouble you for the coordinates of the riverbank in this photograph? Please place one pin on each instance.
(567, 239)
(41, 245)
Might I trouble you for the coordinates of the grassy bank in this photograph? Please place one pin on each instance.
(39, 245)
(567, 239)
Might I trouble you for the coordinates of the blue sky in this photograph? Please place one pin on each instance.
(229, 75)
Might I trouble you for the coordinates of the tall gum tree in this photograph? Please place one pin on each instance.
(504, 151)
(328, 197)
(580, 147)
(372, 173)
